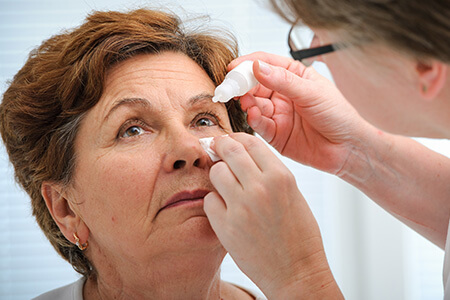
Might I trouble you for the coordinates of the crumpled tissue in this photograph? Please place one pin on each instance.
(206, 145)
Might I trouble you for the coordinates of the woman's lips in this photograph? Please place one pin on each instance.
(182, 202)
(185, 197)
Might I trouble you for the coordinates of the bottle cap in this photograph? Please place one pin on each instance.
(226, 91)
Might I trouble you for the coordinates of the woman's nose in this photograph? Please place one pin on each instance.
(183, 152)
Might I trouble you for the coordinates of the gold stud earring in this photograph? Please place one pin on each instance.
(77, 242)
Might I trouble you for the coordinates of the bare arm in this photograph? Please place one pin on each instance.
(407, 179)
(306, 118)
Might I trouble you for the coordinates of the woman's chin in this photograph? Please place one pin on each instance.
(199, 229)
(199, 235)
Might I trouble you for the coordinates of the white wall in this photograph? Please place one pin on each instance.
(371, 254)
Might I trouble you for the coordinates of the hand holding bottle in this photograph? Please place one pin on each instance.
(301, 113)
(305, 117)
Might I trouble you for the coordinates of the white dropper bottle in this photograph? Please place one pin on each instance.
(236, 83)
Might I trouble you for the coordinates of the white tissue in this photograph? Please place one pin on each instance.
(206, 144)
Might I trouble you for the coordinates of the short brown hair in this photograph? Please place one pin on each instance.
(420, 29)
(63, 78)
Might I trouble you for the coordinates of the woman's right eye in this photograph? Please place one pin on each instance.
(131, 128)
(132, 131)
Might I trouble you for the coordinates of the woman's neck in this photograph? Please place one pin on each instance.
(195, 276)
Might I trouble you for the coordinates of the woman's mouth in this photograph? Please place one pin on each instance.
(185, 198)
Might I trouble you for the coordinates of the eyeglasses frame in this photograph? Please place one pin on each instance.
(309, 52)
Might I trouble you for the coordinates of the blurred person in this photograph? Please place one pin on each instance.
(390, 62)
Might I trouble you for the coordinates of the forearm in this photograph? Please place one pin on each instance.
(313, 280)
(406, 179)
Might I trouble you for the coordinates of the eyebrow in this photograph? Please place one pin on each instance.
(199, 98)
(128, 101)
(145, 103)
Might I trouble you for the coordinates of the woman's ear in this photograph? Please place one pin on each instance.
(432, 78)
(64, 212)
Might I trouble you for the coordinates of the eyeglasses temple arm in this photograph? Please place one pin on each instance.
(307, 53)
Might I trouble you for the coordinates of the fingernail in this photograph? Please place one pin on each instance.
(264, 68)
(217, 137)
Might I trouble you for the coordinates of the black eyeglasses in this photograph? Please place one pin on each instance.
(300, 38)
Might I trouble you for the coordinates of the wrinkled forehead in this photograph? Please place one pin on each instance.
(165, 78)
(162, 84)
(165, 65)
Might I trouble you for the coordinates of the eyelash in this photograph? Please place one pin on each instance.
(209, 113)
(128, 124)
(137, 122)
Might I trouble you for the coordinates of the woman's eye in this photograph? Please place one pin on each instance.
(132, 131)
(206, 119)
(204, 122)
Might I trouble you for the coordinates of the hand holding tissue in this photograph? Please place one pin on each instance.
(257, 204)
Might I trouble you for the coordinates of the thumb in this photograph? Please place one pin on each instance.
(215, 209)
(288, 82)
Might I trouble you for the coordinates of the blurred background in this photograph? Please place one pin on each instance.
(372, 255)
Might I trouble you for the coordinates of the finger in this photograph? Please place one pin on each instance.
(261, 154)
(248, 101)
(286, 82)
(264, 126)
(224, 181)
(215, 209)
(272, 59)
(260, 91)
(237, 159)
(265, 105)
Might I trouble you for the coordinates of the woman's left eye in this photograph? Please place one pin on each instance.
(206, 120)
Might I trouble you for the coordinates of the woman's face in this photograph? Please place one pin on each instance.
(378, 82)
(141, 173)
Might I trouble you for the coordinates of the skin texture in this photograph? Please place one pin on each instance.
(305, 117)
(133, 156)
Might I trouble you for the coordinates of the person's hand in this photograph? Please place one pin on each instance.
(301, 113)
(305, 117)
(263, 221)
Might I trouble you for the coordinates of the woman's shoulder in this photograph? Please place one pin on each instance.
(73, 291)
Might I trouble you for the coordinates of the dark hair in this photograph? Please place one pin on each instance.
(63, 78)
(418, 28)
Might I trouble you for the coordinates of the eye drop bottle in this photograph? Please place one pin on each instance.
(237, 82)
